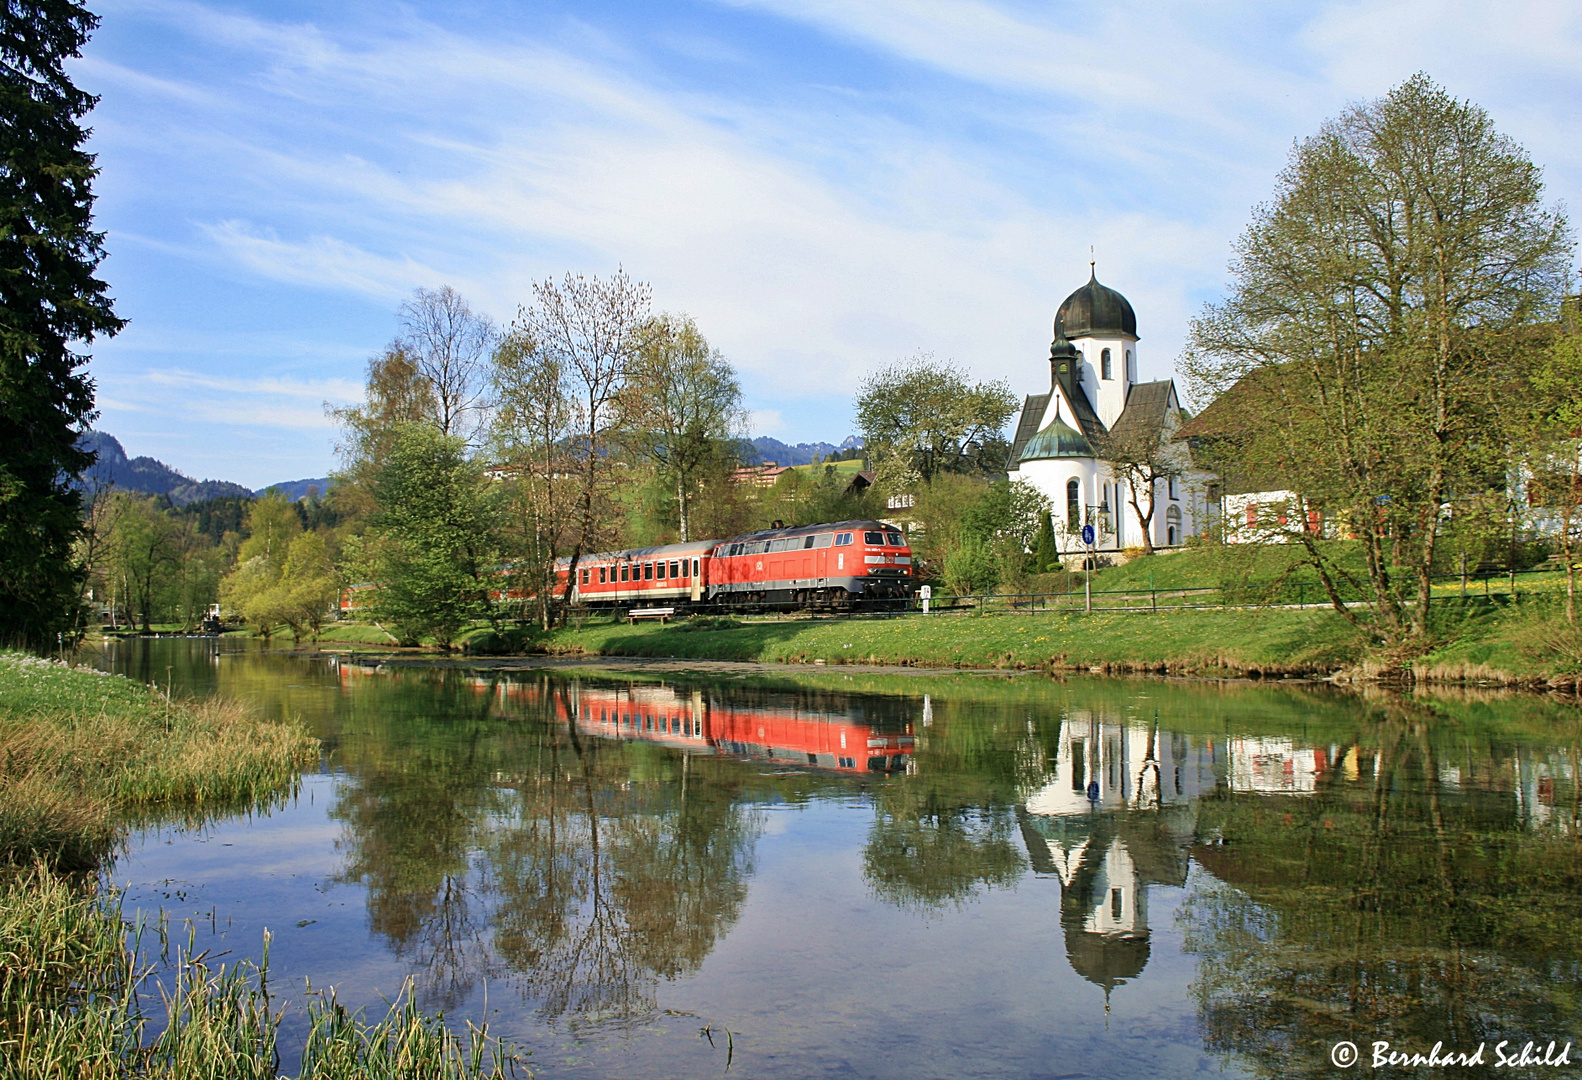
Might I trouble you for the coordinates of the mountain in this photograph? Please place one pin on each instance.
(147, 474)
(298, 489)
(802, 453)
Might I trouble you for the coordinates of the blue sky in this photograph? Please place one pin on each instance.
(825, 185)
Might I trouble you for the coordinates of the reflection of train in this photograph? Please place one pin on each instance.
(832, 564)
(782, 734)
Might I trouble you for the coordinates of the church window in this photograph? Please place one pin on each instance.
(1105, 370)
(1172, 485)
(1073, 503)
(1131, 366)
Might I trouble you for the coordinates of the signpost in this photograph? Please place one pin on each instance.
(925, 594)
(1088, 536)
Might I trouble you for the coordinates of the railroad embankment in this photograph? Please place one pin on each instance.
(1507, 644)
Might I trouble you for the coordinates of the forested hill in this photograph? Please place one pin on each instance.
(148, 474)
(800, 454)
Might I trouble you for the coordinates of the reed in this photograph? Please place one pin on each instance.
(82, 756)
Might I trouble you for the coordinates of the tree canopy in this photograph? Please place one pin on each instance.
(51, 303)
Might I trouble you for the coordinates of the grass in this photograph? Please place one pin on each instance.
(1268, 641)
(82, 756)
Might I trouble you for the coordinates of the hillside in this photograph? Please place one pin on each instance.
(148, 474)
(801, 453)
(154, 477)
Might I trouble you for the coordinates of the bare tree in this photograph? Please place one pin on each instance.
(594, 331)
(1143, 454)
(532, 436)
(449, 343)
(683, 406)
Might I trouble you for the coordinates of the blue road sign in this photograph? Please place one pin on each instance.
(1087, 534)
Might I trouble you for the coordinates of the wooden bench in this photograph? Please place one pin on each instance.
(660, 613)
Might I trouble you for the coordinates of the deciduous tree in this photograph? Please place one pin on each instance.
(920, 417)
(1404, 241)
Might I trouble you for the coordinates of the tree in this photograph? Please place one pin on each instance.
(531, 438)
(432, 536)
(920, 418)
(1406, 240)
(683, 406)
(594, 331)
(1046, 552)
(145, 550)
(448, 344)
(1143, 454)
(50, 301)
(1551, 435)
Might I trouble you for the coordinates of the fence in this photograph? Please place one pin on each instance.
(1472, 587)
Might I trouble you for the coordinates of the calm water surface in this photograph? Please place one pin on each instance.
(882, 876)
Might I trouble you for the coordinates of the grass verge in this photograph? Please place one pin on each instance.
(82, 756)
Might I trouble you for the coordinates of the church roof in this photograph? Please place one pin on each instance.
(1058, 440)
(1095, 310)
(1147, 406)
(1033, 407)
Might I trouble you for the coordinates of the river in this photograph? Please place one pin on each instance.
(858, 875)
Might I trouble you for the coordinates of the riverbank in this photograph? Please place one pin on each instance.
(83, 757)
(1485, 643)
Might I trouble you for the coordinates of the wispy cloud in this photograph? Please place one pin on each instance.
(885, 177)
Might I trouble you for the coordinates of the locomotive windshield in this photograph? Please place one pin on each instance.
(895, 539)
(873, 538)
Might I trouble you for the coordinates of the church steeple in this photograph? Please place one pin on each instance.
(1065, 366)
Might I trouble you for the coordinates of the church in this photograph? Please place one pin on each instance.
(1100, 445)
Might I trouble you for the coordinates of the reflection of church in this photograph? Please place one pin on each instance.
(1115, 820)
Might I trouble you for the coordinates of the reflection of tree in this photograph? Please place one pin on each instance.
(1381, 910)
(945, 834)
(586, 869)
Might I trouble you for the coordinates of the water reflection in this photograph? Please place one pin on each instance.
(1319, 866)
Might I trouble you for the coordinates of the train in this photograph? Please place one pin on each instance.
(835, 565)
(832, 564)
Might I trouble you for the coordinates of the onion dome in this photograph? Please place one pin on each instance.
(1095, 311)
(1058, 440)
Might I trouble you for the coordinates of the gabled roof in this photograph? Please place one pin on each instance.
(1033, 407)
(1147, 407)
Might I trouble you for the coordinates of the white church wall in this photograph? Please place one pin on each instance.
(1107, 396)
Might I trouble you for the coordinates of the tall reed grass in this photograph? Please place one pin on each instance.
(82, 756)
(74, 1004)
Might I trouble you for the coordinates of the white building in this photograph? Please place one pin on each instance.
(1094, 394)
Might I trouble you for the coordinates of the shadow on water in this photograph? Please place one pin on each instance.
(1242, 873)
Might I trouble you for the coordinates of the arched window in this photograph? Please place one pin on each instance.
(1073, 502)
(1104, 365)
(1172, 526)
(1131, 366)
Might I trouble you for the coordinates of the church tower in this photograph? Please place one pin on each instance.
(1100, 324)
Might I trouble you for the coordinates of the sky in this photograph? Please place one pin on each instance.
(826, 186)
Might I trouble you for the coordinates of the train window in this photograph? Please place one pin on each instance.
(587, 575)
(648, 571)
(777, 545)
(661, 565)
(895, 539)
(873, 538)
(601, 575)
(675, 569)
(842, 539)
(736, 549)
(626, 571)
(694, 568)
(809, 541)
(822, 540)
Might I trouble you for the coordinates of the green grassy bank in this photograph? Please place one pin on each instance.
(83, 757)
(1494, 642)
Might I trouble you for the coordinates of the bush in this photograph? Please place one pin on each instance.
(972, 568)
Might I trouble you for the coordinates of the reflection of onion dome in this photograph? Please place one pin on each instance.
(1106, 960)
(1095, 311)
(1058, 440)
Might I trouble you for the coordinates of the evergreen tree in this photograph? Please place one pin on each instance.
(49, 302)
(1046, 553)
